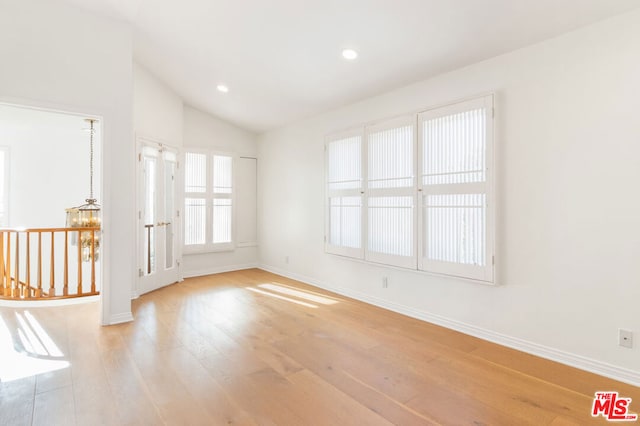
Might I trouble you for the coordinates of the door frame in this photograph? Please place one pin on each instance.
(141, 142)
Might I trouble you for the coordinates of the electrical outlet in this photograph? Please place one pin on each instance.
(625, 338)
(286, 260)
(385, 282)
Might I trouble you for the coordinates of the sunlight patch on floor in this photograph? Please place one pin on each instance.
(277, 296)
(27, 349)
(289, 291)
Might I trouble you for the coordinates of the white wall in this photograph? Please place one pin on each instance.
(40, 189)
(158, 118)
(568, 211)
(202, 130)
(157, 110)
(207, 132)
(57, 56)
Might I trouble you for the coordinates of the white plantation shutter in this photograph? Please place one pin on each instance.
(222, 202)
(390, 153)
(344, 194)
(195, 202)
(195, 176)
(390, 192)
(208, 209)
(416, 191)
(390, 227)
(455, 228)
(195, 221)
(345, 217)
(344, 156)
(222, 174)
(221, 220)
(455, 187)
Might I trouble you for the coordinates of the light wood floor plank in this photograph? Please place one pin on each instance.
(54, 407)
(16, 401)
(336, 406)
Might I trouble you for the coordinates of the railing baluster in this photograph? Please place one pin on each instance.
(65, 289)
(3, 282)
(29, 265)
(8, 270)
(52, 269)
(93, 261)
(17, 267)
(79, 262)
(40, 262)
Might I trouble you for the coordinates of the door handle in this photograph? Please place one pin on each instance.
(163, 223)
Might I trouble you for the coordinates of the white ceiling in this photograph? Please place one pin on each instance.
(281, 59)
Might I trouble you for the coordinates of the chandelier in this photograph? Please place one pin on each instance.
(87, 215)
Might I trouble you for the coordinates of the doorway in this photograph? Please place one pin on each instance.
(158, 216)
(47, 165)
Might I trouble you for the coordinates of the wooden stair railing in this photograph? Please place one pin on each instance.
(17, 267)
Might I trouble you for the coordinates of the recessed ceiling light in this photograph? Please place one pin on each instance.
(349, 54)
(222, 88)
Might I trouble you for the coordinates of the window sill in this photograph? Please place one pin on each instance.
(248, 244)
(209, 248)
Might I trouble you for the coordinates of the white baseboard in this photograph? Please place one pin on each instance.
(120, 318)
(219, 269)
(583, 363)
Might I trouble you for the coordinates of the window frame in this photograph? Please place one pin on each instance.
(484, 274)
(357, 253)
(408, 262)
(480, 273)
(209, 196)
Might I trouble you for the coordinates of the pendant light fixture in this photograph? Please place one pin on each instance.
(87, 215)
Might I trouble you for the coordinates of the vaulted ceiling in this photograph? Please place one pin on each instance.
(281, 59)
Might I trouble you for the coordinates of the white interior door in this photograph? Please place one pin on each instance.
(158, 217)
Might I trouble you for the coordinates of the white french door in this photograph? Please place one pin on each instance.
(158, 227)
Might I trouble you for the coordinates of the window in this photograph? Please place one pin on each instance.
(427, 200)
(390, 193)
(222, 204)
(344, 191)
(455, 189)
(208, 210)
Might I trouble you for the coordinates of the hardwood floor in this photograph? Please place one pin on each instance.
(251, 347)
